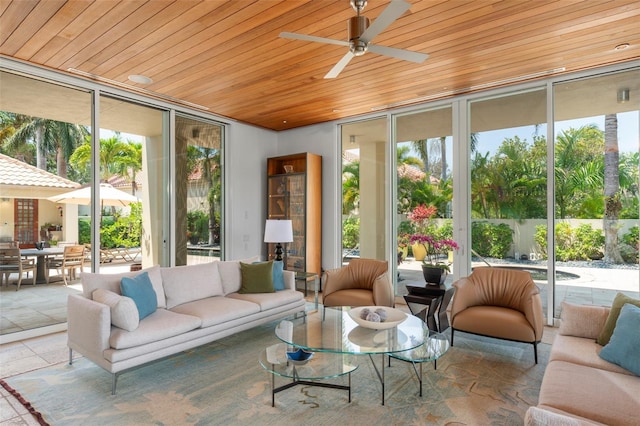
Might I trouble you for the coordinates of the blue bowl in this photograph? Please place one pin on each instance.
(300, 356)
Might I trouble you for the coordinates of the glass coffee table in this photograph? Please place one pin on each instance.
(436, 345)
(321, 366)
(334, 331)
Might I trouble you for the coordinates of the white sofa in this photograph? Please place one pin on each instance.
(579, 387)
(196, 304)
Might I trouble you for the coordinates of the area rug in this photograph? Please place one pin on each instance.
(480, 381)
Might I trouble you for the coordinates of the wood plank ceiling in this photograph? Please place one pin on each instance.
(227, 58)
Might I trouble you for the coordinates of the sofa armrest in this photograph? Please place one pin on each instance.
(88, 325)
(540, 417)
(289, 278)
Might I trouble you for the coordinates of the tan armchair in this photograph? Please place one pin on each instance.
(363, 282)
(498, 302)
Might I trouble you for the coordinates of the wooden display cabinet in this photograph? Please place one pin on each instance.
(294, 191)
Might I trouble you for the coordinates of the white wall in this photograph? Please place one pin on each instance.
(246, 151)
(321, 139)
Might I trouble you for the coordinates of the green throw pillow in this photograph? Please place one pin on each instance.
(278, 274)
(616, 306)
(624, 347)
(256, 278)
(141, 291)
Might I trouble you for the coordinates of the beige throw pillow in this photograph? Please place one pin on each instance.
(582, 320)
(124, 313)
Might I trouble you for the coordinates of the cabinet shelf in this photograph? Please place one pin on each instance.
(297, 196)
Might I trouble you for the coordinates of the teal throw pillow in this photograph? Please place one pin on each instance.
(140, 289)
(623, 348)
(256, 277)
(278, 276)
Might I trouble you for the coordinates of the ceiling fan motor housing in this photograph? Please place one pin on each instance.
(357, 26)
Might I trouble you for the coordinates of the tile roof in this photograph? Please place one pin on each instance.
(19, 173)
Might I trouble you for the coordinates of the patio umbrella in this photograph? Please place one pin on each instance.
(109, 196)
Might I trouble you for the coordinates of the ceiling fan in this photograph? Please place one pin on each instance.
(361, 34)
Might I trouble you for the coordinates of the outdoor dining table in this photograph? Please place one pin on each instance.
(41, 257)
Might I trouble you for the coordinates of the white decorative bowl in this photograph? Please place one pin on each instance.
(394, 317)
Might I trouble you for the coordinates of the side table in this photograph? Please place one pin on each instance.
(431, 299)
(323, 365)
(310, 276)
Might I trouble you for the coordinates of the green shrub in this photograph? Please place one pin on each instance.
(630, 245)
(581, 243)
(350, 232)
(491, 240)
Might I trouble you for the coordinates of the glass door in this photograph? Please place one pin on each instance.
(596, 152)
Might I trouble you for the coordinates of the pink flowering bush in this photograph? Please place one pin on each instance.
(428, 235)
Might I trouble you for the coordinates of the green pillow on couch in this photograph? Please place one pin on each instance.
(257, 277)
(616, 306)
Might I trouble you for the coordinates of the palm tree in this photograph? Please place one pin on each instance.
(613, 205)
(350, 187)
(49, 136)
(115, 156)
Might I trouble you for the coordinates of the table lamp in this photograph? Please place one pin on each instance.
(278, 231)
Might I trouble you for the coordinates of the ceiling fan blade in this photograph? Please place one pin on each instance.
(386, 18)
(406, 55)
(337, 68)
(313, 38)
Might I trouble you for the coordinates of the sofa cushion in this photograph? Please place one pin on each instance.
(92, 281)
(256, 277)
(160, 325)
(140, 289)
(600, 395)
(582, 320)
(217, 310)
(579, 350)
(230, 274)
(616, 306)
(124, 313)
(183, 284)
(623, 348)
(268, 301)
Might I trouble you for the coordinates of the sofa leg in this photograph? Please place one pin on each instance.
(70, 356)
(114, 382)
(535, 351)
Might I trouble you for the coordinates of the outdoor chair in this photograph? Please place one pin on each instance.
(11, 262)
(498, 302)
(72, 259)
(363, 282)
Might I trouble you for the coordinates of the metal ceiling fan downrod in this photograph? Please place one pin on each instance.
(358, 25)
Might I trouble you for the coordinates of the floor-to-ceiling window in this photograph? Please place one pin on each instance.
(365, 189)
(596, 152)
(132, 163)
(198, 190)
(42, 124)
(508, 181)
(424, 190)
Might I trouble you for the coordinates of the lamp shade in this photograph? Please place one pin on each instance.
(278, 231)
